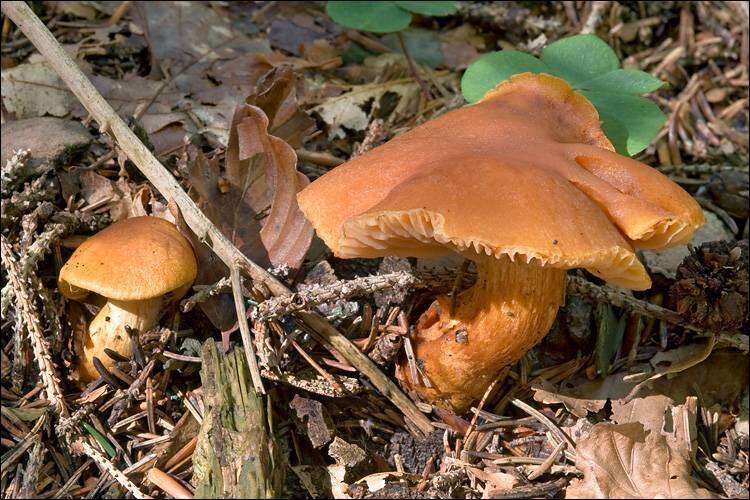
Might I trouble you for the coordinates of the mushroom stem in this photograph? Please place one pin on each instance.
(509, 309)
(107, 330)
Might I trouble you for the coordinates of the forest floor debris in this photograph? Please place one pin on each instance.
(550, 427)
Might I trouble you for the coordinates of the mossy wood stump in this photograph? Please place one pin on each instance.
(236, 456)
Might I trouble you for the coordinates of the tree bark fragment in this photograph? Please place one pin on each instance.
(236, 455)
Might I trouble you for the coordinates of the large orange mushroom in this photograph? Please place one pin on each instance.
(526, 185)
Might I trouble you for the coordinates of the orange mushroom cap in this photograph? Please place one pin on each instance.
(526, 172)
(133, 259)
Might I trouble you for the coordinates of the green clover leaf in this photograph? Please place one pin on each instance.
(429, 8)
(591, 67)
(383, 16)
(378, 17)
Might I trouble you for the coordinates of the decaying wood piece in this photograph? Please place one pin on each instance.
(236, 456)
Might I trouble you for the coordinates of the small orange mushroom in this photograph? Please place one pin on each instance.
(137, 265)
(526, 185)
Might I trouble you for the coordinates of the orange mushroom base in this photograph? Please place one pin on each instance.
(510, 308)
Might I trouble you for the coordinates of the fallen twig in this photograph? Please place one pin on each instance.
(63, 490)
(239, 304)
(113, 471)
(329, 378)
(168, 484)
(580, 286)
(542, 490)
(31, 474)
(205, 293)
(549, 461)
(315, 295)
(413, 68)
(595, 17)
(12, 456)
(471, 434)
(445, 280)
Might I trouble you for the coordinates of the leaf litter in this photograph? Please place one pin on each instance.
(238, 102)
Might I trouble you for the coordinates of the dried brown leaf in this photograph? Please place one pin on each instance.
(254, 200)
(261, 169)
(291, 29)
(258, 211)
(719, 379)
(277, 97)
(345, 112)
(115, 197)
(546, 393)
(648, 411)
(128, 95)
(180, 33)
(220, 308)
(34, 89)
(320, 51)
(626, 461)
(461, 46)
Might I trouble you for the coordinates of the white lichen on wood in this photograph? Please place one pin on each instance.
(318, 294)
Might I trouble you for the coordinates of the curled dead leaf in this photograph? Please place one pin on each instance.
(276, 95)
(261, 170)
(254, 200)
(255, 204)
